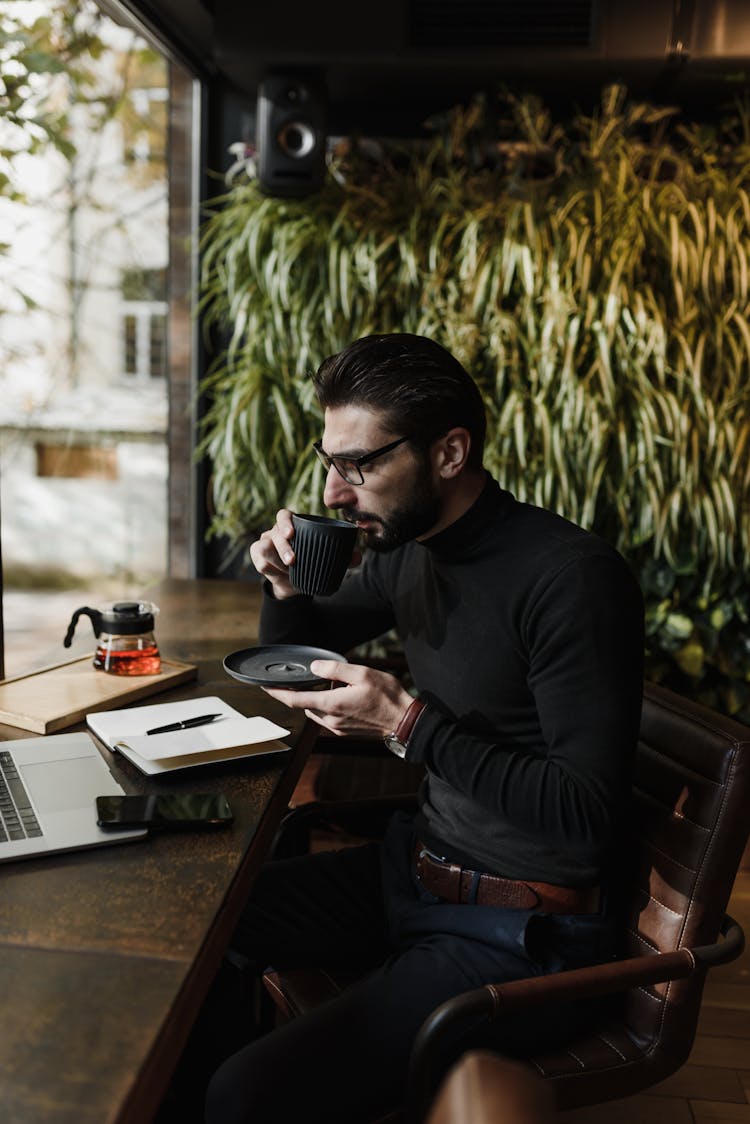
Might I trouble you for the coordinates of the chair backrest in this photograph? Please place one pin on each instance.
(690, 823)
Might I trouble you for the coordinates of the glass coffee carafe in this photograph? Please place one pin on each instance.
(126, 644)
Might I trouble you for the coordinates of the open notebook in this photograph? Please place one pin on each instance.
(229, 737)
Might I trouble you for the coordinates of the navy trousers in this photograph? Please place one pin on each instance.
(362, 907)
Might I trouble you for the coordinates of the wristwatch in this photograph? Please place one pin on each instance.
(398, 740)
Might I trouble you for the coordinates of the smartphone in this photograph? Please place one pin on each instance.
(165, 811)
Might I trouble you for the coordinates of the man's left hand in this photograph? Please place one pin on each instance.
(365, 702)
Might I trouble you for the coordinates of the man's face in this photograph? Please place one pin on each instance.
(399, 499)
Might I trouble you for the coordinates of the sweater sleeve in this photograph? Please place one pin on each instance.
(357, 612)
(583, 634)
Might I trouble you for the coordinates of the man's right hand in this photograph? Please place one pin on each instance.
(272, 555)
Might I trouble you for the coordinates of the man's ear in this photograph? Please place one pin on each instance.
(451, 451)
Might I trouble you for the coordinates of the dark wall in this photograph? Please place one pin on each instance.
(389, 65)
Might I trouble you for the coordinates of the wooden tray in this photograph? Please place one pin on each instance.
(60, 696)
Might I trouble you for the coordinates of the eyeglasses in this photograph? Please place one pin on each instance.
(350, 468)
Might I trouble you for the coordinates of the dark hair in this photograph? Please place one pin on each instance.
(421, 388)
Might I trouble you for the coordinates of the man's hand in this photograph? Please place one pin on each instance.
(369, 703)
(272, 555)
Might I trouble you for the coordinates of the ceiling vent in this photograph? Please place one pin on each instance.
(482, 24)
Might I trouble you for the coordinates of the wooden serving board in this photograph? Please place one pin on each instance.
(60, 696)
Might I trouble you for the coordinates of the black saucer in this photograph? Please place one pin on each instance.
(278, 665)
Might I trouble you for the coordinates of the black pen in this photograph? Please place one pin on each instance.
(186, 724)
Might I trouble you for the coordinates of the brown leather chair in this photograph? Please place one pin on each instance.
(690, 824)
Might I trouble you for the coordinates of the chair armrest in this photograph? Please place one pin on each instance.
(486, 1003)
(723, 952)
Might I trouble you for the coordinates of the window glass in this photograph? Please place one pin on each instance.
(84, 361)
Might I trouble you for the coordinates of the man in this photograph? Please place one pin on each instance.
(524, 638)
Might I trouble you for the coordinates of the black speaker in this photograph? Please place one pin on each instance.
(291, 134)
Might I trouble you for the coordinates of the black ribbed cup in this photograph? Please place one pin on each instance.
(322, 552)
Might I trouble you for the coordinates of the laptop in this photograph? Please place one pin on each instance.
(48, 788)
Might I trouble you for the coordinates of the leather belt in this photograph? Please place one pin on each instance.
(457, 885)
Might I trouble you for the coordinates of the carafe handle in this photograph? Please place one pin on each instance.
(96, 621)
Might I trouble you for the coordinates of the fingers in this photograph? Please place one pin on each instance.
(301, 700)
(324, 720)
(282, 534)
(274, 546)
(315, 705)
(349, 673)
(272, 554)
(361, 701)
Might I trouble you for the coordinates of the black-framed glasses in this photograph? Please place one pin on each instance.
(350, 468)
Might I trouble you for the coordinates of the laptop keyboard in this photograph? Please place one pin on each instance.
(17, 819)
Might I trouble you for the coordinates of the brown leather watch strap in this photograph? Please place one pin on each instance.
(407, 723)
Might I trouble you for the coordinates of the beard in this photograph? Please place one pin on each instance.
(404, 522)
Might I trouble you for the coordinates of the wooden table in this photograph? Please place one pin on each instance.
(107, 954)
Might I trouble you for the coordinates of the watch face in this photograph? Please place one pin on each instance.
(395, 746)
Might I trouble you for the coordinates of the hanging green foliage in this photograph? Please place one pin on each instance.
(593, 276)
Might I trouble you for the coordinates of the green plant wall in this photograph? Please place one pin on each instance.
(592, 274)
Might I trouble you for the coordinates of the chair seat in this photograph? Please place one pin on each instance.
(596, 1062)
(594, 1057)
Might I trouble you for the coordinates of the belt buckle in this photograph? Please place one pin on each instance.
(432, 855)
(443, 880)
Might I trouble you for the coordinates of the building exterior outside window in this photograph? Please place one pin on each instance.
(144, 325)
(145, 339)
(84, 317)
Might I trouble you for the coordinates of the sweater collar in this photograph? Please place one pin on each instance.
(471, 529)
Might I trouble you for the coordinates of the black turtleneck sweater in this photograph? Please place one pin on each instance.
(524, 636)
